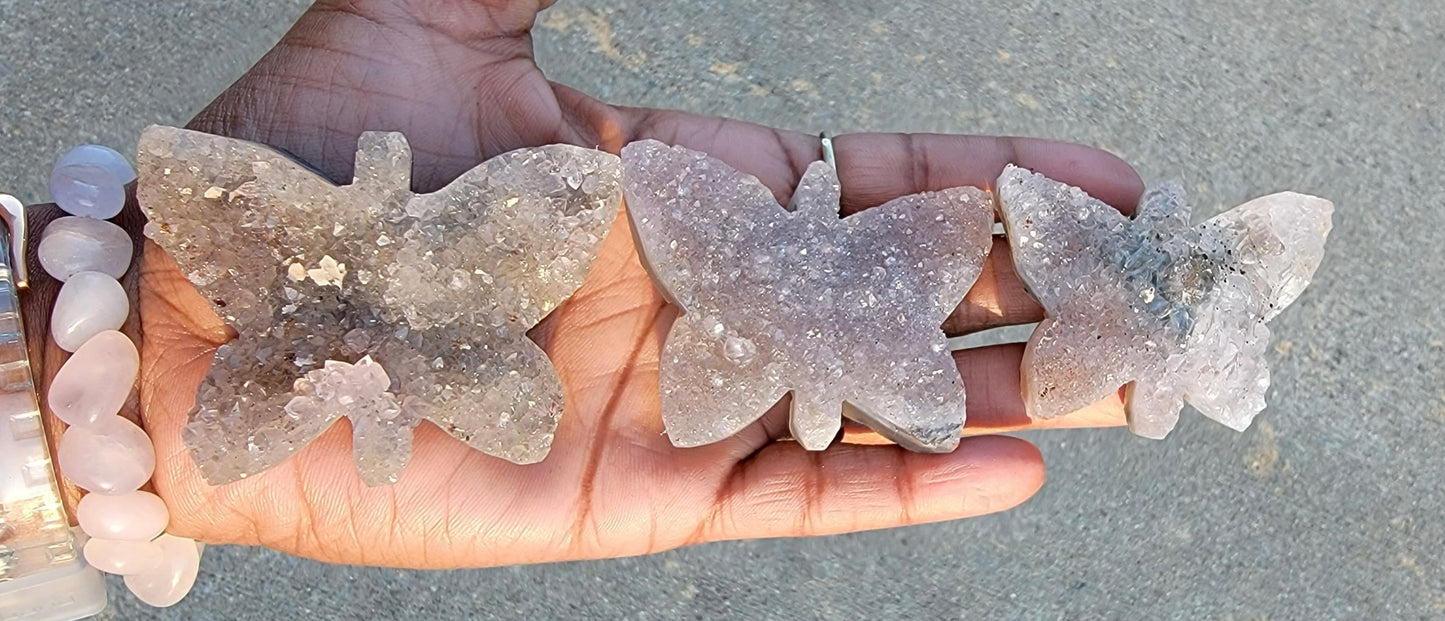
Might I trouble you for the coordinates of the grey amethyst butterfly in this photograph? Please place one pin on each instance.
(371, 301)
(796, 299)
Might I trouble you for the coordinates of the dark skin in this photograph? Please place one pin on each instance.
(457, 77)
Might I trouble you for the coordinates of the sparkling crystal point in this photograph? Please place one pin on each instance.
(1171, 312)
(799, 300)
(414, 305)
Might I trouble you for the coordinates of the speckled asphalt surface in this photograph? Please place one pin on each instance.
(1330, 507)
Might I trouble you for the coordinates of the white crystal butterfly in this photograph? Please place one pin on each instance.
(1176, 313)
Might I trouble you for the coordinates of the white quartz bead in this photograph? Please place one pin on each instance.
(89, 303)
(114, 556)
(95, 382)
(113, 456)
(90, 180)
(132, 516)
(73, 244)
(166, 584)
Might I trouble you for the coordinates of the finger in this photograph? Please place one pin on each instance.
(877, 168)
(587, 122)
(997, 298)
(995, 399)
(785, 491)
(776, 157)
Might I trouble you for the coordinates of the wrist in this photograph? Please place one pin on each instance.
(87, 429)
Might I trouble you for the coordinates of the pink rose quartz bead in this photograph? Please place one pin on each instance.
(74, 244)
(113, 456)
(89, 303)
(133, 516)
(96, 381)
(123, 557)
(166, 584)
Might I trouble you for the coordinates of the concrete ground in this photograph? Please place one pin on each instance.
(1328, 508)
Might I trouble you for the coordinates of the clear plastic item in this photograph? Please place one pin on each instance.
(43, 576)
(67, 591)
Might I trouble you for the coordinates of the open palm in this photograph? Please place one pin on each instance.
(457, 77)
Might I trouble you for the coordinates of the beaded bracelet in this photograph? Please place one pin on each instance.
(101, 452)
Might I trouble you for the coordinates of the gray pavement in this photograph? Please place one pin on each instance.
(1328, 508)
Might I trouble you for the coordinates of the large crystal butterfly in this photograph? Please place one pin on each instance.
(1175, 313)
(371, 301)
(778, 299)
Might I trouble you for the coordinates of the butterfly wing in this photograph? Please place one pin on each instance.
(936, 241)
(1152, 408)
(712, 383)
(1070, 364)
(485, 259)
(692, 215)
(522, 229)
(206, 196)
(1062, 239)
(1044, 218)
(1227, 373)
(1275, 241)
(211, 202)
(919, 402)
(503, 398)
(925, 251)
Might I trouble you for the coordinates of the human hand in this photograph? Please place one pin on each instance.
(457, 77)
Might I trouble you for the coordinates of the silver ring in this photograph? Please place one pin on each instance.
(828, 149)
(12, 215)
